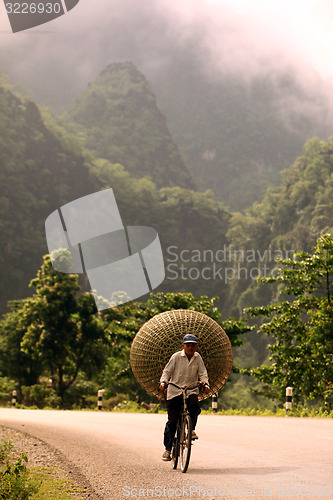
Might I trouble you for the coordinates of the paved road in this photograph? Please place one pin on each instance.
(235, 457)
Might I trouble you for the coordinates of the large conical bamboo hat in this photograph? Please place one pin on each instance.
(162, 336)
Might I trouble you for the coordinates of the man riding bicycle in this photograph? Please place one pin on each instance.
(184, 368)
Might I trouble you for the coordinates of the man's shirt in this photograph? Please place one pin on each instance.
(183, 372)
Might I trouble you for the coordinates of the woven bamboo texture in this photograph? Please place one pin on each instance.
(162, 336)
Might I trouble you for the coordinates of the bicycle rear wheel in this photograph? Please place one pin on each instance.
(175, 448)
(185, 443)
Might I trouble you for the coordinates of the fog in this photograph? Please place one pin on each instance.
(58, 59)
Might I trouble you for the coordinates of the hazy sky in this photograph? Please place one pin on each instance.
(236, 35)
(304, 27)
(299, 28)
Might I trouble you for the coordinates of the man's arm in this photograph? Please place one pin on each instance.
(203, 375)
(167, 372)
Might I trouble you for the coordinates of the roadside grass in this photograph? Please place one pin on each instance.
(134, 407)
(52, 484)
(297, 411)
(18, 481)
(15, 479)
(279, 412)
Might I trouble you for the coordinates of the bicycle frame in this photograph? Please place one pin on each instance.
(182, 442)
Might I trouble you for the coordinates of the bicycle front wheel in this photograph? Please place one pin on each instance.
(185, 443)
(175, 449)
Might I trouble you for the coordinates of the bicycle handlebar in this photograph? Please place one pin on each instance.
(191, 386)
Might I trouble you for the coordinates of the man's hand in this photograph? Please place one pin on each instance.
(163, 386)
(206, 389)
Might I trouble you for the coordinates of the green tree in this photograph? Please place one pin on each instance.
(62, 334)
(301, 327)
(14, 362)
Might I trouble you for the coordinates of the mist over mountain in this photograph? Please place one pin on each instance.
(59, 62)
(239, 94)
(121, 121)
(238, 135)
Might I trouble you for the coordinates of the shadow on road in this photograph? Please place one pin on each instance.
(256, 471)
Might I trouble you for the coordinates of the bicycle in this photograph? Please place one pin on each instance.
(182, 442)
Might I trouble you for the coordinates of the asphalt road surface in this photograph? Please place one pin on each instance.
(235, 457)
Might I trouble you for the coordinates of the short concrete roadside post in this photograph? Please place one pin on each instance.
(289, 399)
(214, 403)
(14, 398)
(100, 399)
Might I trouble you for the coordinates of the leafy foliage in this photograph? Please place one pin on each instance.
(15, 481)
(301, 328)
(295, 214)
(14, 362)
(57, 333)
(57, 337)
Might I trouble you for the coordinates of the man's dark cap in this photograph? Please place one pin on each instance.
(190, 338)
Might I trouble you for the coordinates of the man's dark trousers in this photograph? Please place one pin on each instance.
(174, 407)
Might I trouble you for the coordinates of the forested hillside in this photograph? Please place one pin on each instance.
(206, 248)
(238, 115)
(43, 167)
(121, 121)
(289, 219)
(238, 133)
